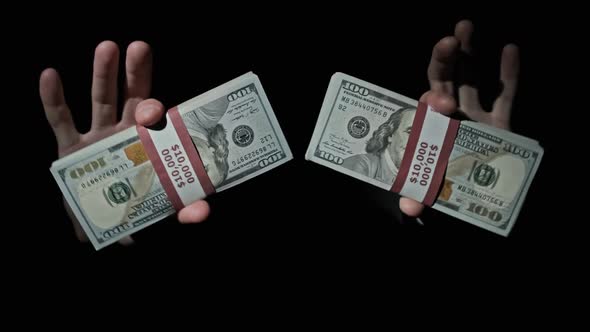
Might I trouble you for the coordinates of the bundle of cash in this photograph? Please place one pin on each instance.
(363, 131)
(115, 187)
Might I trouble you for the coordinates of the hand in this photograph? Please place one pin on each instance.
(138, 70)
(442, 89)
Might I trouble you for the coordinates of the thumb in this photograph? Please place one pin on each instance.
(441, 102)
(410, 207)
(149, 112)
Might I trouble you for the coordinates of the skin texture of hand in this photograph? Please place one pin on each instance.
(442, 89)
(138, 80)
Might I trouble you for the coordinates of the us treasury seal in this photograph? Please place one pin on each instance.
(119, 193)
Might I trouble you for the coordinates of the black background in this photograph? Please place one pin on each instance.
(301, 217)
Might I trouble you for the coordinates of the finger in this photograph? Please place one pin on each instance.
(194, 213)
(509, 69)
(463, 33)
(440, 102)
(126, 241)
(138, 71)
(104, 85)
(440, 69)
(410, 207)
(469, 99)
(57, 112)
(149, 112)
(468, 94)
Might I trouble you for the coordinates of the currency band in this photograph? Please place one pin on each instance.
(176, 161)
(427, 154)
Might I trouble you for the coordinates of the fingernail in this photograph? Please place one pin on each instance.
(148, 111)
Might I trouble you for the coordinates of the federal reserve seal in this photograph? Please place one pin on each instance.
(358, 127)
(243, 135)
(119, 193)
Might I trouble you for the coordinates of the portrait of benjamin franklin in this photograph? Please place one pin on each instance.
(385, 149)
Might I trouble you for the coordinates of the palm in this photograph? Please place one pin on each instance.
(104, 96)
(138, 80)
(440, 76)
(104, 100)
(442, 88)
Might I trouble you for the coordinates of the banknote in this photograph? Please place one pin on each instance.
(115, 189)
(363, 131)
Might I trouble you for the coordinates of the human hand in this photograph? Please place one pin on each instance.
(138, 77)
(442, 89)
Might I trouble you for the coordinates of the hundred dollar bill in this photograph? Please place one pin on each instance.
(113, 187)
(363, 131)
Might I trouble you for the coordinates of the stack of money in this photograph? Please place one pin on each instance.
(363, 131)
(114, 187)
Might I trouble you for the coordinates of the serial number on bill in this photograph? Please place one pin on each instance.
(360, 105)
(252, 155)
